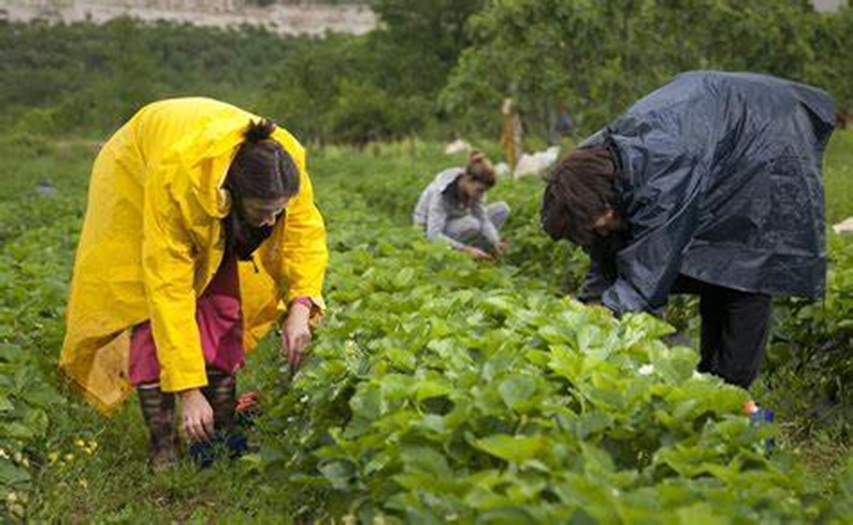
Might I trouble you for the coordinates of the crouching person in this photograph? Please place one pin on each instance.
(452, 209)
(200, 231)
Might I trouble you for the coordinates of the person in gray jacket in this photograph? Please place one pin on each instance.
(452, 209)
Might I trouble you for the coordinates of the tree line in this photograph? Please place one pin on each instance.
(433, 68)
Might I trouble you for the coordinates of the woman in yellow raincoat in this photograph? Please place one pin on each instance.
(200, 231)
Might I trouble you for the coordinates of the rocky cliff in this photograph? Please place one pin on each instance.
(285, 17)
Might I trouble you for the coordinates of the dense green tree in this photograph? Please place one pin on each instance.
(384, 85)
(596, 56)
(436, 66)
(424, 37)
(832, 66)
(90, 78)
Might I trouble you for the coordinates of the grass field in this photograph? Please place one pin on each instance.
(86, 468)
(838, 177)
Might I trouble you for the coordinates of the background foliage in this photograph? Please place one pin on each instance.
(434, 67)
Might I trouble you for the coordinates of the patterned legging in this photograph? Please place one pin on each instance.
(158, 408)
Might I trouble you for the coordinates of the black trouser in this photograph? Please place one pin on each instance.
(735, 329)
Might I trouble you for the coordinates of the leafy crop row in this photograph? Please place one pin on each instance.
(445, 390)
(441, 389)
(37, 235)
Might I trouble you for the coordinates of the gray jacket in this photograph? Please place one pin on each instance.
(436, 207)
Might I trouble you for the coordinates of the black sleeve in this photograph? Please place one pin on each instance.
(594, 284)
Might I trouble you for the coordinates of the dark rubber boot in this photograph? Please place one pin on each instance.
(221, 393)
(158, 409)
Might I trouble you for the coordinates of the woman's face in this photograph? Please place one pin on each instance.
(559, 224)
(607, 223)
(262, 212)
(601, 232)
(472, 190)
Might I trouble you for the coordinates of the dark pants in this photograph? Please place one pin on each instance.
(735, 328)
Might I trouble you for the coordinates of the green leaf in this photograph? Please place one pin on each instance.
(366, 403)
(675, 364)
(553, 334)
(339, 473)
(483, 498)
(507, 515)
(11, 474)
(427, 389)
(425, 459)
(434, 423)
(37, 421)
(16, 430)
(395, 386)
(700, 514)
(401, 359)
(517, 390)
(499, 305)
(5, 404)
(11, 353)
(404, 278)
(515, 449)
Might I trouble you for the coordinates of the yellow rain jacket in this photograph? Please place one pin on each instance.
(152, 240)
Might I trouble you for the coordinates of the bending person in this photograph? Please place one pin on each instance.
(710, 185)
(200, 232)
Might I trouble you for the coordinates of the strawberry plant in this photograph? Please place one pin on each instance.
(810, 352)
(445, 390)
(439, 389)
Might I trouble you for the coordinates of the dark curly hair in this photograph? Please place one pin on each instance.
(581, 188)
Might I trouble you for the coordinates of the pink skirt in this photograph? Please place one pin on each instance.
(220, 325)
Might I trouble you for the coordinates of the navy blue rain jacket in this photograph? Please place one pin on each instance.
(723, 184)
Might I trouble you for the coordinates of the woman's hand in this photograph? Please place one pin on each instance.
(197, 415)
(476, 253)
(296, 334)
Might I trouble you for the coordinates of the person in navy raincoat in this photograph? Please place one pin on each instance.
(709, 185)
